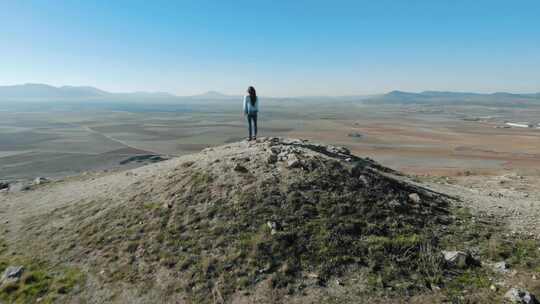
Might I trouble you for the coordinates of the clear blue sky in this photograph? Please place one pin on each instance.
(282, 47)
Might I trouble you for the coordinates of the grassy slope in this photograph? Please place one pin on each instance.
(199, 232)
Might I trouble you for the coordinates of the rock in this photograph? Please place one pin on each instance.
(240, 168)
(40, 180)
(266, 268)
(273, 227)
(272, 159)
(4, 185)
(395, 204)
(516, 295)
(415, 198)
(12, 274)
(273, 141)
(364, 180)
(338, 150)
(501, 267)
(294, 163)
(292, 141)
(283, 155)
(275, 150)
(459, 259)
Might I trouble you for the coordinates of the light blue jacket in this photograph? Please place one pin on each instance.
(248, 108)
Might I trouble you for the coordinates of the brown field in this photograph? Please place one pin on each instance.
(416, 139)
(450, 148)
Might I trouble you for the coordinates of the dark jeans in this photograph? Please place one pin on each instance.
(252, 120)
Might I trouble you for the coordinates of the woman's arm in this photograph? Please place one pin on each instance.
(244, 107)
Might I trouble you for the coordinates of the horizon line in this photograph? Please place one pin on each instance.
(273, 96)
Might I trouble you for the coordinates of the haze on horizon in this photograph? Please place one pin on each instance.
(283, 48)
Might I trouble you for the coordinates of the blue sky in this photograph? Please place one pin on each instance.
(284, 47)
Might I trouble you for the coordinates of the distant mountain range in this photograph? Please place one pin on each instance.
(37, 91)
(213, 95)
(42, 92)
(444, 97)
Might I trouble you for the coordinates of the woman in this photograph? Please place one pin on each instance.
(251, 108)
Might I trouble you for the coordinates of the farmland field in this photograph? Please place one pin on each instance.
(56, 140)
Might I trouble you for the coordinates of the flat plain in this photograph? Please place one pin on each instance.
(54, 140)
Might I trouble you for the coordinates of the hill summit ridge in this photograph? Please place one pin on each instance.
(278, 213)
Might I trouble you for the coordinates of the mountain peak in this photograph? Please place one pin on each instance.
(397, 92)
(213, 94)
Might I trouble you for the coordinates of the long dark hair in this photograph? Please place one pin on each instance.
(252, 95)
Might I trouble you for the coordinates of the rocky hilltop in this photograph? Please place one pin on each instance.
(276, 220)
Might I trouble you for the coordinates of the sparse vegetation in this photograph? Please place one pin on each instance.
(226, 235)
(491, 243)
(472, 285)
(40, 280)
(206, 232)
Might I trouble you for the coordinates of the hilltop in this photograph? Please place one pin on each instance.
(277, 220)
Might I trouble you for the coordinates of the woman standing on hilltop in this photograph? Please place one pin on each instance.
(251, 108)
